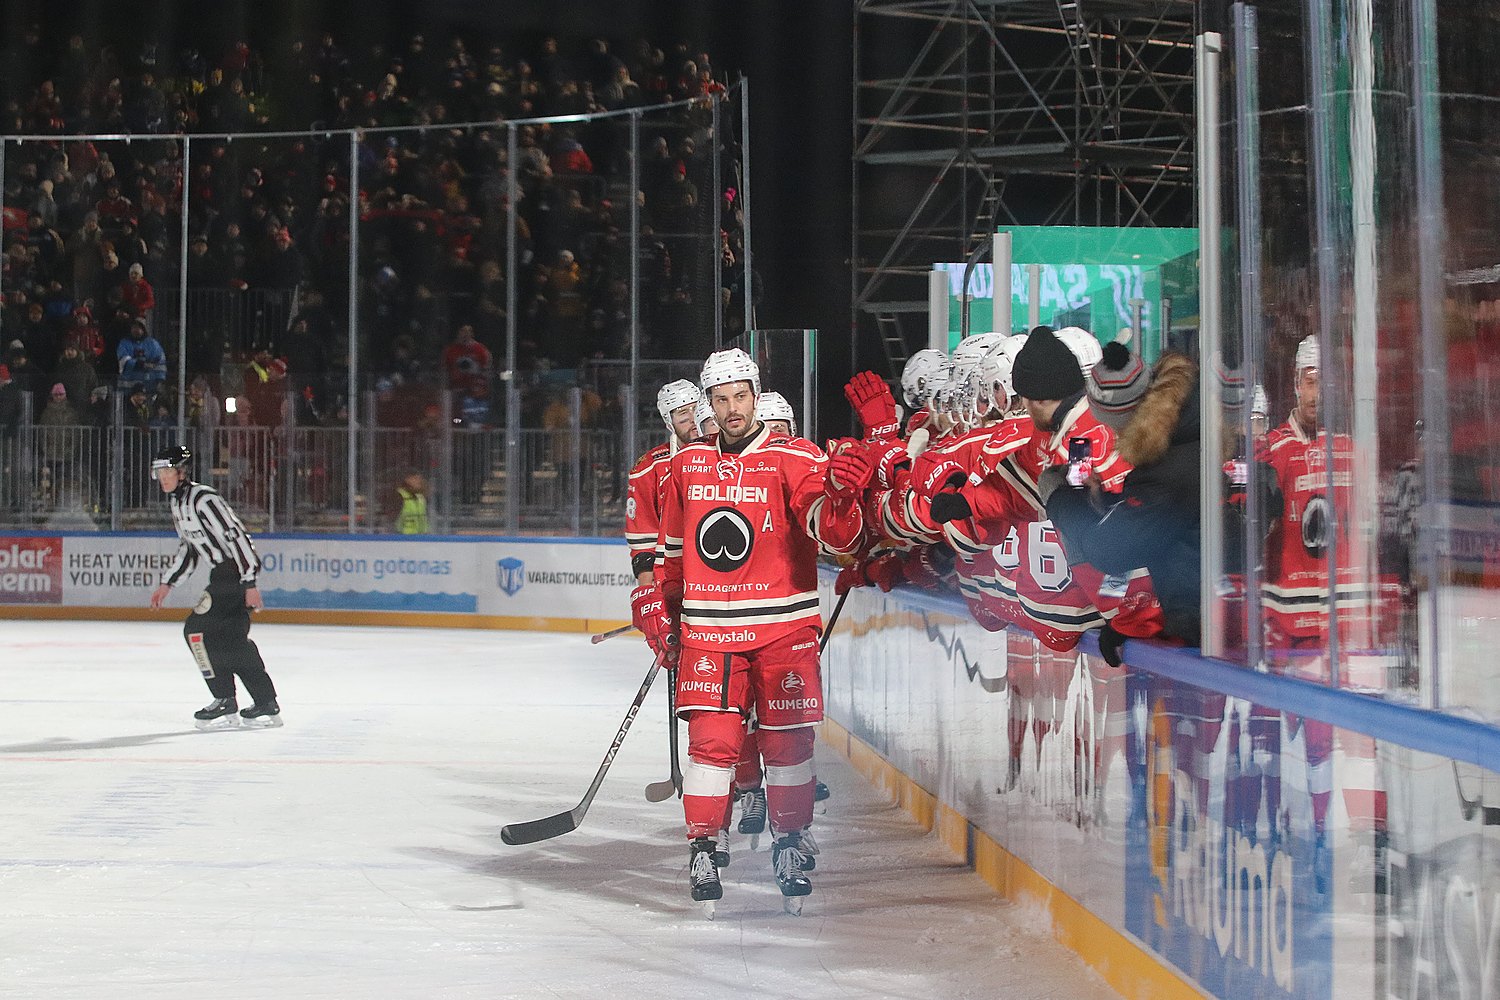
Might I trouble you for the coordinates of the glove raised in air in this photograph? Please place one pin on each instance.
(871, 398)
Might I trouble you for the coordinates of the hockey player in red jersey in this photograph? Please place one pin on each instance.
(676, 402)
(1048, 376)
(743, 516)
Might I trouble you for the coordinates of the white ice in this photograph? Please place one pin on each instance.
(356, 851)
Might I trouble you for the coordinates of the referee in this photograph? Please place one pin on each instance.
(218, 630)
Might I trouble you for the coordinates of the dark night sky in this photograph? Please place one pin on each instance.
(797, 56)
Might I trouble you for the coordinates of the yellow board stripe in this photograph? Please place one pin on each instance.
(285, 616)
(1130, 969)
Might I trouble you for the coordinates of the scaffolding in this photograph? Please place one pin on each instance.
(973, 114)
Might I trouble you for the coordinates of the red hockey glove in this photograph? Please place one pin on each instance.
(849, 577)
(892, 465)
(943, 474)
(849, 472)
(924, 567)
(885, 571)
(648, 612)
(871, 398)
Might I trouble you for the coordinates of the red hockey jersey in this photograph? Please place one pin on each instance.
(643, 506)
(1295, 591)
(740, 533)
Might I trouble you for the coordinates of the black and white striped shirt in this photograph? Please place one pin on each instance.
(208, 529)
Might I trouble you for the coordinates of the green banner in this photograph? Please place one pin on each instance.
(1090, 277)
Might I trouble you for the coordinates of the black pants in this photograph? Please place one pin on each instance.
(218, 635)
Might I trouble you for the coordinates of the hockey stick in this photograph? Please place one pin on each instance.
(832, 619)
(610, 634)
(548, 827)
(660, 791)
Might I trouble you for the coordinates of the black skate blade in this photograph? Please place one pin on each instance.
(660, 791)
(517, 834)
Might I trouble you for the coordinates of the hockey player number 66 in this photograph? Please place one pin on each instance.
(1047, 561)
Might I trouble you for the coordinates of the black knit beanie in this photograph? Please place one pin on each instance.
(1045, 368)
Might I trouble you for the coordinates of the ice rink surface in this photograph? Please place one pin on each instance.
(356, 851)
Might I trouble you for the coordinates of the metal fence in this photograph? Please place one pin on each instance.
(569, 480)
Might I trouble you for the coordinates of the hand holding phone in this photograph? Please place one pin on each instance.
(1080, 462)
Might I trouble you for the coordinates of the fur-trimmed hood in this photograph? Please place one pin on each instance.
(1166, 415)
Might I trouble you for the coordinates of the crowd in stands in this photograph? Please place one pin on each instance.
(92, 230)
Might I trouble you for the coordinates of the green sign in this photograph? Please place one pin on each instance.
(1095, 278)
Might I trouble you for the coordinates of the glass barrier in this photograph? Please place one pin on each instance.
(1360, 325)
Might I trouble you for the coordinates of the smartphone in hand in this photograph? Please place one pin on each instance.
(1080, 462)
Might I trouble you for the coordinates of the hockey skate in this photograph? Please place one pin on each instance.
(809, 849)
(753, 815)
(789, 862)
(721, 849)
(267, 716)
(217, 714)
(703, 874)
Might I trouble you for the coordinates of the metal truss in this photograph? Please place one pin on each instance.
(969, 114)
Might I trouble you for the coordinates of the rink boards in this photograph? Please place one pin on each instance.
(1185, 825)
(480, 582)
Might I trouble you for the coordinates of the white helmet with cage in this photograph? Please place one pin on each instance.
(674, 396)
(732, 365)
(924, 372)
(773, 406)
(702, 414)
(970, 388)
(1084, 345)
(994, 375)
(1012, 347)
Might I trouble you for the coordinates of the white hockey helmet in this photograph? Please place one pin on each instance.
(702, 414)
(969, 390)
(1309, 354)
(994, 373)
(923, 373)
(732, 365)
(1084, 345)
(675, 395)
(773, 406)
(1012, 347)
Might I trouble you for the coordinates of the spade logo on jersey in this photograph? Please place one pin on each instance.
(724, 539)
(1315, 526)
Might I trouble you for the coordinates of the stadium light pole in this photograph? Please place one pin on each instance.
(182, 293)
(512, 389)
(352, 389)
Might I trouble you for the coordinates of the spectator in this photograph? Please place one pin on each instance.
(57, 443)
(136, 293)
(138, 408)
(410, 505)
(1153, 523)
(75, 372)
(85, 336)
(10, 405)
(142, 360)
(466, 362)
